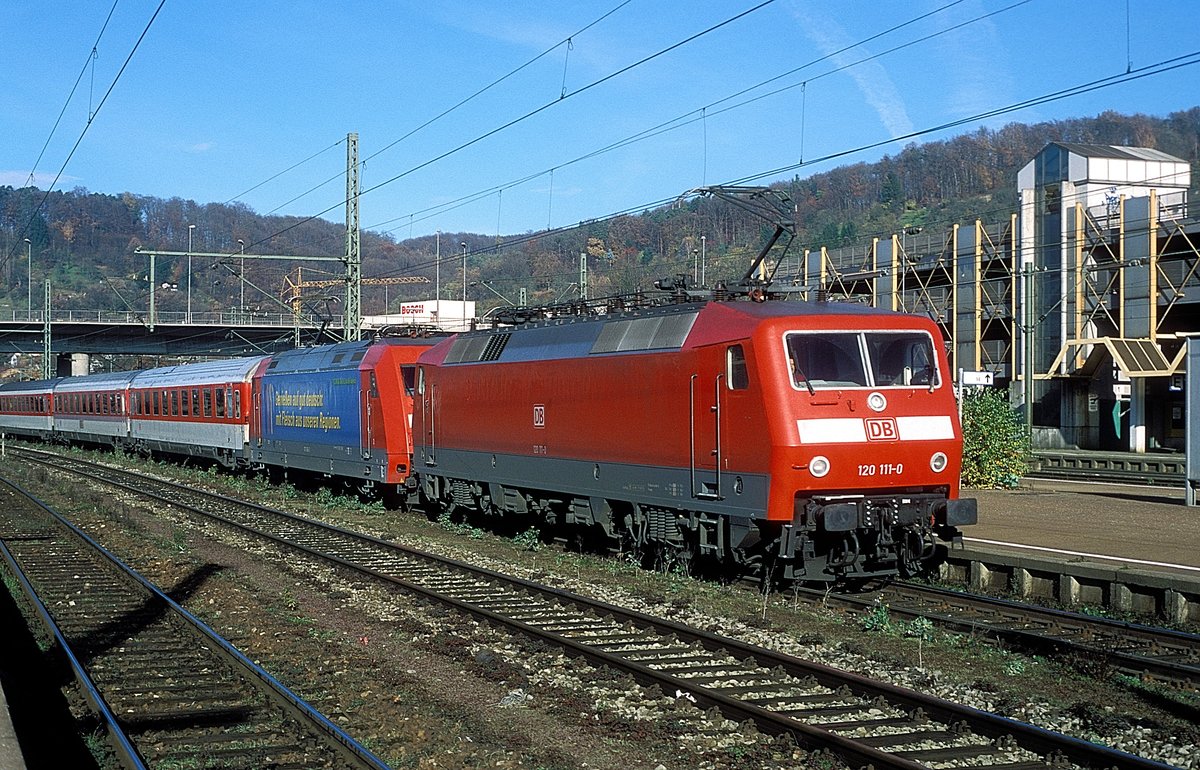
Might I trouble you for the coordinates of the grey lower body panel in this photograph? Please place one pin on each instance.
(333, 460)
(741, 496)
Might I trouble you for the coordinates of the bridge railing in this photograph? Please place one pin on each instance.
(222, 318)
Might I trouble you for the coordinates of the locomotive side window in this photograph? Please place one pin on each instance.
(409, 375)
(736, 375)
(902, 358)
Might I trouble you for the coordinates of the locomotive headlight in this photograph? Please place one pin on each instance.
(938, 462)
(818, 466)
(877, 401)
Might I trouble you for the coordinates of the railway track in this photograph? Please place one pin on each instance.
(1146, 652)
(169, 691)
(866, 722)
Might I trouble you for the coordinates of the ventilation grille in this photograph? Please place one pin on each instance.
(467, 350)
(655, 333)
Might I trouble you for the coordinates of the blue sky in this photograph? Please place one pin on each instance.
(222, 96)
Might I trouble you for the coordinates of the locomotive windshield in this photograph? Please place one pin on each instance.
(861, 359)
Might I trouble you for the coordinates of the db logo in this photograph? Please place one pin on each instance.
(539, 415)
(881, 429)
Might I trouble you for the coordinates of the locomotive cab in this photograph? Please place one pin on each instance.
(866, 451)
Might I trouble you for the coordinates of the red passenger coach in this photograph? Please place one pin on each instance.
(26, 408)
(804, 441)
(92, 408)
(198, 409)
(340, 410)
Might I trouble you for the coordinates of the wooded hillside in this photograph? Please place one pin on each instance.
(85, 241)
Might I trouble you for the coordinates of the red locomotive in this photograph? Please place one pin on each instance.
(800, 441)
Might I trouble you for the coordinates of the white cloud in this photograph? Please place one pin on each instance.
(871, 78)
(980, 77)
(41, 179)
(200, 147)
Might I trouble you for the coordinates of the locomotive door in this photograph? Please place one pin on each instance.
(705, 428)
(428, 418)
(368, 398)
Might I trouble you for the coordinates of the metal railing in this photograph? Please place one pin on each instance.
(221, 318)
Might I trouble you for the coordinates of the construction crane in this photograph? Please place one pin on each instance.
(293, 290)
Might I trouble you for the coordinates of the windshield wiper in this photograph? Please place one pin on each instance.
(804, 377)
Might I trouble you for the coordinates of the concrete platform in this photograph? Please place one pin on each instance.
(10, 750)
(1126, 548)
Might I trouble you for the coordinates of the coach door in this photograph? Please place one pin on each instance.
(705, 428)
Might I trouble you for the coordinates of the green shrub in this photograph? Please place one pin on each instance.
(995, 446)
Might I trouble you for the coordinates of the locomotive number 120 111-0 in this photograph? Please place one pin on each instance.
(881, 469)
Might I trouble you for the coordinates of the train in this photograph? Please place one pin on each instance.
(795, 441)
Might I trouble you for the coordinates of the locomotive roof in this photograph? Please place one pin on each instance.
(343, 355)
(336, 357)
(654, 329)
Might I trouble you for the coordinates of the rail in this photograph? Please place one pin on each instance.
(136, 652)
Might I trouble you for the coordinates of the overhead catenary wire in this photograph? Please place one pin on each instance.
(669, 125)
(1153, 69)
(37, 209)
(528, 115)
(702, 113)
(83, 70)
(451, 109)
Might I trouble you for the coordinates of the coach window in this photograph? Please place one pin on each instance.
(155, 403)
(174, 403)
(207, 393)
(104, 405)
(183, 397)
(195, 402)
(220, 402)
(736, 375)
(237, 404)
